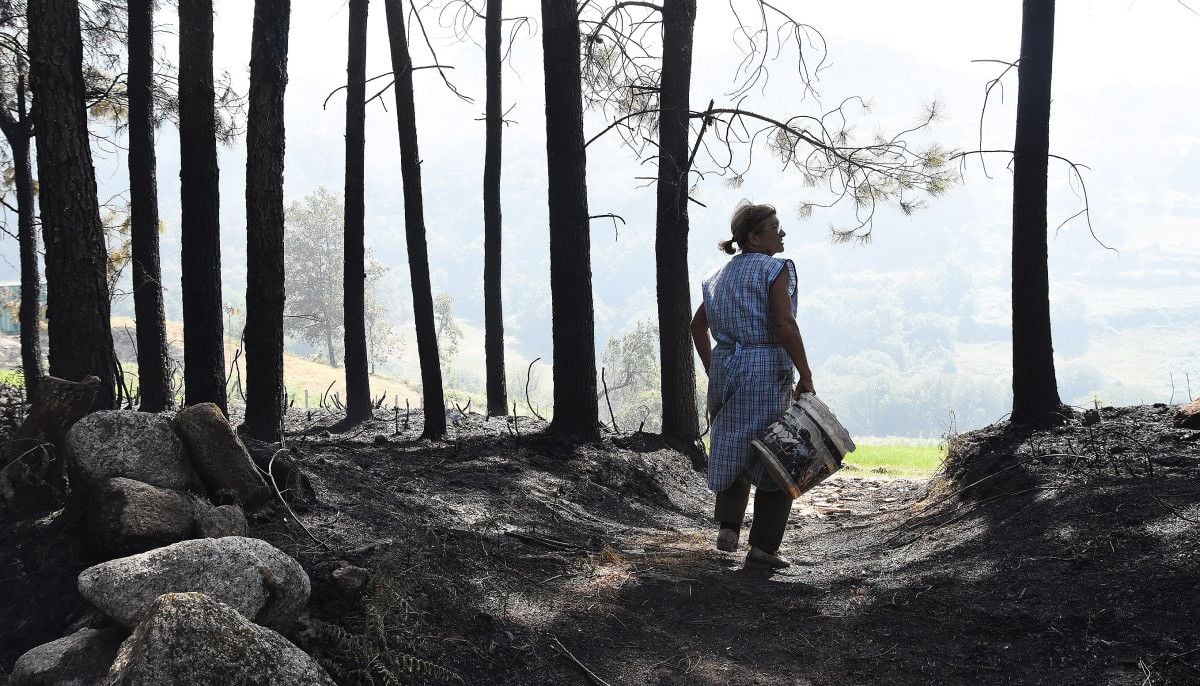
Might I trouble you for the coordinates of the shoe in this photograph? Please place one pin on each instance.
(727, 540)
(757, 557)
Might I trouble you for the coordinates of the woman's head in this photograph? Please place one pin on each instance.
(755, 228)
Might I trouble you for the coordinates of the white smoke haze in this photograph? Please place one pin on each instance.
(908, 334)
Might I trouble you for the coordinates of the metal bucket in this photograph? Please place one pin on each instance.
(804, 446)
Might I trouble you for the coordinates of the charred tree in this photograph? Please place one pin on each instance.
(414, 225)
(18, 132)
(680, 421)
(76, 259)
(573, 321)
(153, 375)
(493, 306)
(358, 385)
(264, 221)
(1035, 390)
(200, 210)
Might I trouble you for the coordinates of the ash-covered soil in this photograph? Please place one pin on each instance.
(502, 556)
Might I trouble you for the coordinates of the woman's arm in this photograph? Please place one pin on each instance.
(788, 332)
(700, 337)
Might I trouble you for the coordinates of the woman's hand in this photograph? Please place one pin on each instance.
(805, 385)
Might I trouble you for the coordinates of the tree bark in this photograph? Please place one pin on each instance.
(200, 209)
(76, 259)
(433, 401)
(18, 133)
(153, 373)
(573, 325)
(678, 372)
(330, 354)
(264, 220)
(358, 384)
(493, 309)
(58, 405)
(1035, 391)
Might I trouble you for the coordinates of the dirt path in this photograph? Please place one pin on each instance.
(515, 551)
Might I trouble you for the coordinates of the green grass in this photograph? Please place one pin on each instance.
(12, 377)
(910, 461)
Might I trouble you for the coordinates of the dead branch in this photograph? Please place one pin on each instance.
(414, 13)
(326, 393)
(589, 673)
(1077, 175)
(611, 416)
(528, 373)
(279, 494)
(461, 410)
(615, 218)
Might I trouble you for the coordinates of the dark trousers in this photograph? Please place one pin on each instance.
(771, 510)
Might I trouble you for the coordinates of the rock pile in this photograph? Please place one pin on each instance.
(188, 599)
(146, 481)
(197, 612)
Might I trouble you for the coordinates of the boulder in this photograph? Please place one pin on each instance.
(1188, 416)
(80, 659)
(219, 455)
(250, 575)
(217, 521)
(126, 517)
(191, 638)
(135, 445)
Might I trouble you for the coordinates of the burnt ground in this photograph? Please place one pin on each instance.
(505, 559)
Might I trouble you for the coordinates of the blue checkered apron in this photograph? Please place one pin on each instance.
(750, 378)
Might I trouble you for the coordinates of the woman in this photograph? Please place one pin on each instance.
(750, 306)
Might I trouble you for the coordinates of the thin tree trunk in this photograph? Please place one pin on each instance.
(18, 133)
(678, 371)
(493, 309)
(264, 220)
(76, 258)
(200, 210)
(330, 354)
(358, 383)
(414, 226)
(573, 327)
(1035, 391)
(153, 375)
(31, 280)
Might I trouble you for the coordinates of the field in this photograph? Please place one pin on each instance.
(907, 461)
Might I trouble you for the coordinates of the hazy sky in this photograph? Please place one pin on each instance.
(1126, 95)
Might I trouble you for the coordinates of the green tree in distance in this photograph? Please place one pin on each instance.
(314, 259)
(449, 334)
(631, 375)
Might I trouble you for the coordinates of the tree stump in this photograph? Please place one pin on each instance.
(32, 480)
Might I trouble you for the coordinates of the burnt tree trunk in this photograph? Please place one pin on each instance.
(678, 372)
(354, 298)
(1035, 391)
(153, 374)
(18, 133)
(200, 209)
(264, 220)
(77, 305)
(433, 401)
(573, 326)
(330, 353)
(493, 307)
(36, 454)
